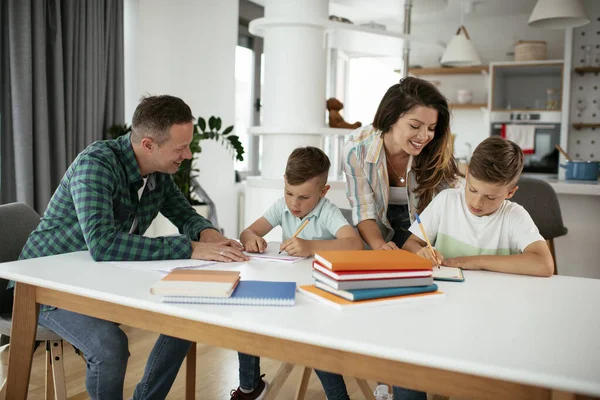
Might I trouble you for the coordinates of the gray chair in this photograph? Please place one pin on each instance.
(541, 202)
(347, 213)
(17, 221)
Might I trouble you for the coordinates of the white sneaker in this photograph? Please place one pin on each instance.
(382, 393)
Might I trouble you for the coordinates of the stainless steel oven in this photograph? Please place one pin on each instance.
(544, 159)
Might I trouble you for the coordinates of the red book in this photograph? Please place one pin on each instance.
(366, 260)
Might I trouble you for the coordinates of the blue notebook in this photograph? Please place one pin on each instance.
(251, 293)
(365, 294)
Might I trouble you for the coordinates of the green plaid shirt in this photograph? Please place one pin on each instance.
(97, 201)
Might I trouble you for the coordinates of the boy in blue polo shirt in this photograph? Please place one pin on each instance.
(304, 198)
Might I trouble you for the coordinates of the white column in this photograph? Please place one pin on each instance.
(295, 72)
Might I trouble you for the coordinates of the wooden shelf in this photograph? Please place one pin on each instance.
(585, 70)
(449, 70)
(470, 106)
(580, 125)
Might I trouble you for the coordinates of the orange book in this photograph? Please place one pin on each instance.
(340, 303)
(365, 260)
(190, 282)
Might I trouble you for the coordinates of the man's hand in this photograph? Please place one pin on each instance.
(218, 251)
(214, 236)
(436, 259)
(389, 246)
(255, 244)
(297, 247)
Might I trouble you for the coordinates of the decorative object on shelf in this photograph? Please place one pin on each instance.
(184, 177)
(552, 99)
(375, 25)
(419, 71)
(340, 19)
(530, 50)
(460, 52)
(586, 56)
(558, 14)
(464, 96)
(334, 106)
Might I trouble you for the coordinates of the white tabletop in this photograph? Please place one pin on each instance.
(538, 331)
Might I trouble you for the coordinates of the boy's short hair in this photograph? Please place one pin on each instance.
(306, 163)
(497, 160)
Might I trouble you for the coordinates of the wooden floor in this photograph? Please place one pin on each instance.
(217, 373)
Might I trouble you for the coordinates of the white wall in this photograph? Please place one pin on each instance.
(493, 38)
(186, 48)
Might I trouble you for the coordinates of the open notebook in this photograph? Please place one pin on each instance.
(443, 273)
(272, 254)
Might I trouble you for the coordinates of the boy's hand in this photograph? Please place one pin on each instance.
(255, 244)
(425, 252)
(461, 262)
(389, 246)
(297, 247)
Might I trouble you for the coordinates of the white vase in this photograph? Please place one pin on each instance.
(464, 96)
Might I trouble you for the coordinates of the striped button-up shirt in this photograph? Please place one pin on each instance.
(367, 180)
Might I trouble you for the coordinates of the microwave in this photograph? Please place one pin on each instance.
(544, 159)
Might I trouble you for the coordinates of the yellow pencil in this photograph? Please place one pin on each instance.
(426, 238)
(299, 230)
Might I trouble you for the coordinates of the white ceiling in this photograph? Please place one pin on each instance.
(391, 12)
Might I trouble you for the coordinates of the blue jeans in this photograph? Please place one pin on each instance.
(106, 350)
(249, 371)
(333, 385)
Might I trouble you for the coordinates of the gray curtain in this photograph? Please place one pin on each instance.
(62, 87)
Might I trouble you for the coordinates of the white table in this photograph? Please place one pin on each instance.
(494, 336)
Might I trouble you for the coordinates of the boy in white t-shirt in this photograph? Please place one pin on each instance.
(304, 198)
(478, 227)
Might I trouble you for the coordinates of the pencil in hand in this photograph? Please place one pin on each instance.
(299, 230)
(429, 246)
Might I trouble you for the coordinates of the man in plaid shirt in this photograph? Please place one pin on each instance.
(104, 203)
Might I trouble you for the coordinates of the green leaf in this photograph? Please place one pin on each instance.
(227, 130)
(218, 124)
(212, 122)
(202, 124)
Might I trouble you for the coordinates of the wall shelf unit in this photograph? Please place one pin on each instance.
(480, 69)
(587, 70)
(581, 125)
(470, 106)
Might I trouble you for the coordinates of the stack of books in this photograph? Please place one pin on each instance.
(369, 276)
(221, 287)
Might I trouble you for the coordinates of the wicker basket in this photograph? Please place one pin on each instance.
(530, 50)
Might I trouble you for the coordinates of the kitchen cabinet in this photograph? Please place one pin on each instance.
(530, 86)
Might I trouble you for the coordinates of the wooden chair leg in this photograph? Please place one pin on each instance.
(550, 243)
(303, 383)
(49, 378)
(365, 389)
(190, 373)
(278, 381)
(58, 370)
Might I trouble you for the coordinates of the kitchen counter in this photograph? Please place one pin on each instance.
(575, 187)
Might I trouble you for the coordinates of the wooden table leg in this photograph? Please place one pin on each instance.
(277, 383)
(22, 340)
(303, 383)
(190, 373)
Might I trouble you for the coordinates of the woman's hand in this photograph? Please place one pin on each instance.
(436, 257)
(389, 246)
